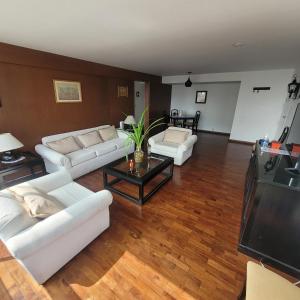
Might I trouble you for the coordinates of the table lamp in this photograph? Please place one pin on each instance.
(8, 143)
(129, 120)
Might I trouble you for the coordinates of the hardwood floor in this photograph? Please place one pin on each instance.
(182, 244)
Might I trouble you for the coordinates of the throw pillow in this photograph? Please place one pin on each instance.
(64, 146)
(108, 133)
(37, 203)
(89, 139)
(13, 218)
(175, 136)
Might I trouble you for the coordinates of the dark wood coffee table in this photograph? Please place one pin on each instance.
(143, 173)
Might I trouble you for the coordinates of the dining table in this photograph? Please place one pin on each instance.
(183, 118)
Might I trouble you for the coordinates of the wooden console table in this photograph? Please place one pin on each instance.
(270, 220)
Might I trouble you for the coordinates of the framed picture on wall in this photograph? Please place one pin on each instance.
(67, 91)
(201, 96)
(123, 91)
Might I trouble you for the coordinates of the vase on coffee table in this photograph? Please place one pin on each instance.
(138, 134)
(138, 155)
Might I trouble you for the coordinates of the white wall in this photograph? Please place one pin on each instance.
(139, 102)
(218, 111)
(256, 114)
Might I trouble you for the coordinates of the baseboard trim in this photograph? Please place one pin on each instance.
(241, 142)
(213, 132)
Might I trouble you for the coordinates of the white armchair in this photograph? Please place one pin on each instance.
(179, 151)
(45, 247)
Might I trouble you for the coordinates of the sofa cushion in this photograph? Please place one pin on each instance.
(89, 139)
(104, 148)
(175, 136)
(108, 133)
(70, 193)
(80, 156)
(167, 147)
(13, 218)
(65, 145)
(37, 203)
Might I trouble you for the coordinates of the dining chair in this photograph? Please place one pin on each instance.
(174, 112)
(193, 124)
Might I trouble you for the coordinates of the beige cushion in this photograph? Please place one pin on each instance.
(37, 203)
(108, 133)
(89, 139)
(175, 136)
(263, 284)
(13, 217)
(65, 145)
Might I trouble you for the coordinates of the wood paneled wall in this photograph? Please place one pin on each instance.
(160, 102)
(160, 99)
(28, 109)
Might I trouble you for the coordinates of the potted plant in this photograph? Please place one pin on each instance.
(138, 135)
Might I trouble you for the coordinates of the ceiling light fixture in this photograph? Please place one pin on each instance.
(188, 83)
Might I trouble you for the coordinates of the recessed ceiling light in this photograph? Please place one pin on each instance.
(238, 44)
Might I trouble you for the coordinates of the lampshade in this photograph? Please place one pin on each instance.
(130, 120)
(9, 142)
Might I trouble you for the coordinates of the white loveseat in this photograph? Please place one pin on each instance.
(46, 246)
(179, 151)
(85, 160)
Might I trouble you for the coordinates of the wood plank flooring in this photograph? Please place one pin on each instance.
(182, 244)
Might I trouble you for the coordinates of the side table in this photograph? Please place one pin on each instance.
(13, 173)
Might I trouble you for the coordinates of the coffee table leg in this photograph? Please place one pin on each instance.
(141, 194)
(104, 179)
(171, 170)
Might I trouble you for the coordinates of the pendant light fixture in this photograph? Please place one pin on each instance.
(188, 83)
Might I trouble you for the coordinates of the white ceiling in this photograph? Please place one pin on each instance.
(162, 37)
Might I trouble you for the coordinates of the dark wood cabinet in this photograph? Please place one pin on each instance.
(270, 225)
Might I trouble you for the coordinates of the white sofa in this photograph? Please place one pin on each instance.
(180, 152)
(85, 160)
(45, 247)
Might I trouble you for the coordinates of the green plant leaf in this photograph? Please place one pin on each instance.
(137, 136)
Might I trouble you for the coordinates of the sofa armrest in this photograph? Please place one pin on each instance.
(53, 156)
(31, 240)
(189, 142)
(156, 138)
(122, 134)
(52, 181)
